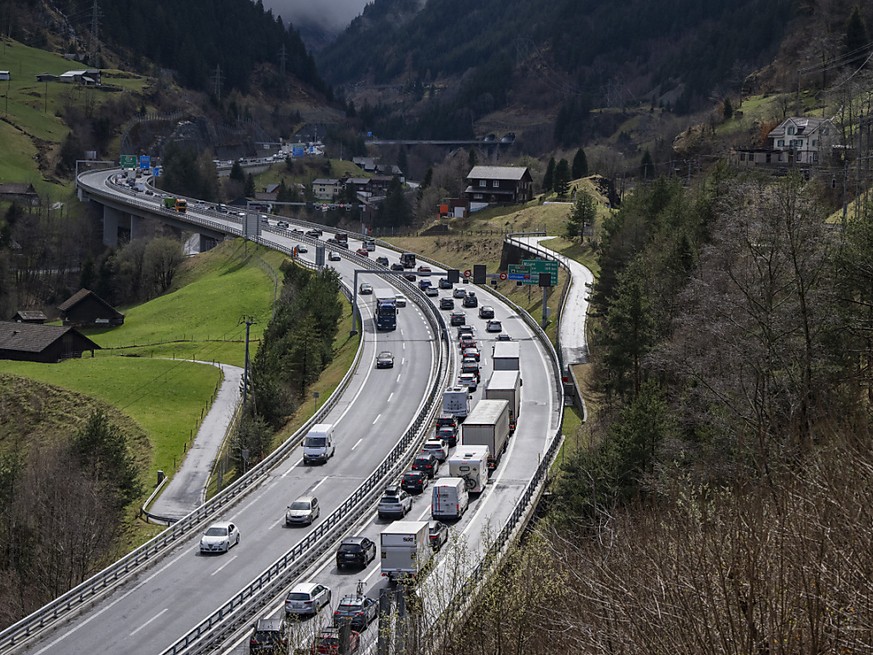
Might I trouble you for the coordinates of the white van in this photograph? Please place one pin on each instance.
(318, 446)
(470, 462)
(449, 498)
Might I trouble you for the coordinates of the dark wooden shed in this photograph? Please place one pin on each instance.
(42, 343)
(86, 308)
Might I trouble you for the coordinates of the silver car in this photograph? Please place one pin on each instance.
(302, 511)
(307, 598)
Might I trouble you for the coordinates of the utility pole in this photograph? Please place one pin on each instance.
(249, 321)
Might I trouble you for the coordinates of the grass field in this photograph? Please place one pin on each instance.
(31, 109)
(166, 398)
(202, 318)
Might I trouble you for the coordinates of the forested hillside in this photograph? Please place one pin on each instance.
(198, 39)
(576, 53)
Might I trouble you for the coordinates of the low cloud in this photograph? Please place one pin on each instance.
(330, 15)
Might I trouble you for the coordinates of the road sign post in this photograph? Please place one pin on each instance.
(537, 266)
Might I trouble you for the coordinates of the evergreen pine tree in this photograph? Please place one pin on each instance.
(561, 183)
(549, 177)
(580, 164)
(647, 166)
(855, 48)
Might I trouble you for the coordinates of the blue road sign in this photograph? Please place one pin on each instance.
(145, 162)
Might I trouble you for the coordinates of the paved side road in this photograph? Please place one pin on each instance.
(186, 490)
(574, 343)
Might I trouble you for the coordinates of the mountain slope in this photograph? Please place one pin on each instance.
(588, 52)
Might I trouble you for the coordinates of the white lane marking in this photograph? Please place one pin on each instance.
(318, 484)
(113, 603)
(223, 565)
(154, 618)
(401, 332)
(398, 376)
(404, 345)
(376, 419)
(390, 397)
(376, 569)
(402, 361)
(358, 443)
(292, 467)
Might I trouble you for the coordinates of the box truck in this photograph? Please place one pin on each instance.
(449, 498)
(506, 385)
(385, 309)
(470, 463)
(456, 402)
(504, 356)
(488, 425)
(405, 549)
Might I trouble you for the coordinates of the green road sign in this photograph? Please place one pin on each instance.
(128, 161)
(538, 266)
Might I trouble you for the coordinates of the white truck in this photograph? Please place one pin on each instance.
(506, 385)
(471, 464)
(449, 498)
(405, 549)
(456, 402)
(488, 425)
(504, 356)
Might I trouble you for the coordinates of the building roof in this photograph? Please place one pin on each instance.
(31, 315)
(325, 180)
(497, 173)
(19, 188)
(271, 188)
(79, 296)
(805, 125)
(34, 338)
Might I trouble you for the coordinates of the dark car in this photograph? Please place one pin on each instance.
(269, 636)
(396, 267)
(411, 277)
(438, 534)
(427, 463)
(382, 260)
(424, 284)
(355, 551)
(385, 360)
(447, 303)
(313, 234)
(448, 434)
(470, 300)
(414, 482)
(446, 420)
(486, 311)
(457, 318)
(445, 284)
(360, 611)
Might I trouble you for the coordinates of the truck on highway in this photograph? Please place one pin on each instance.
(405, 547)
(385, 309)
(176, 204)
(342, 239)
(488, 425)
(456, 402)
(506, 385)
(504, 356)
(471, 464)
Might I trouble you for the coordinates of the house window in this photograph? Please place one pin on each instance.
(791, 130)
(781, 143)
(496, 184)
(477, 196)
(742, 156)
(483, 183)
(814, 143)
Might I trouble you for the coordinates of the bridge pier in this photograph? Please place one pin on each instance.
(111, 219)
(137, 227)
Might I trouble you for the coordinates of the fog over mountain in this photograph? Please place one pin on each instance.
(329, 15)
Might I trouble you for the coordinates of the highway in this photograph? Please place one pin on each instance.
(162, 604)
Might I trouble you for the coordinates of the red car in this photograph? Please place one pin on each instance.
(328, 642)
(427, 463)
(363, 252)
